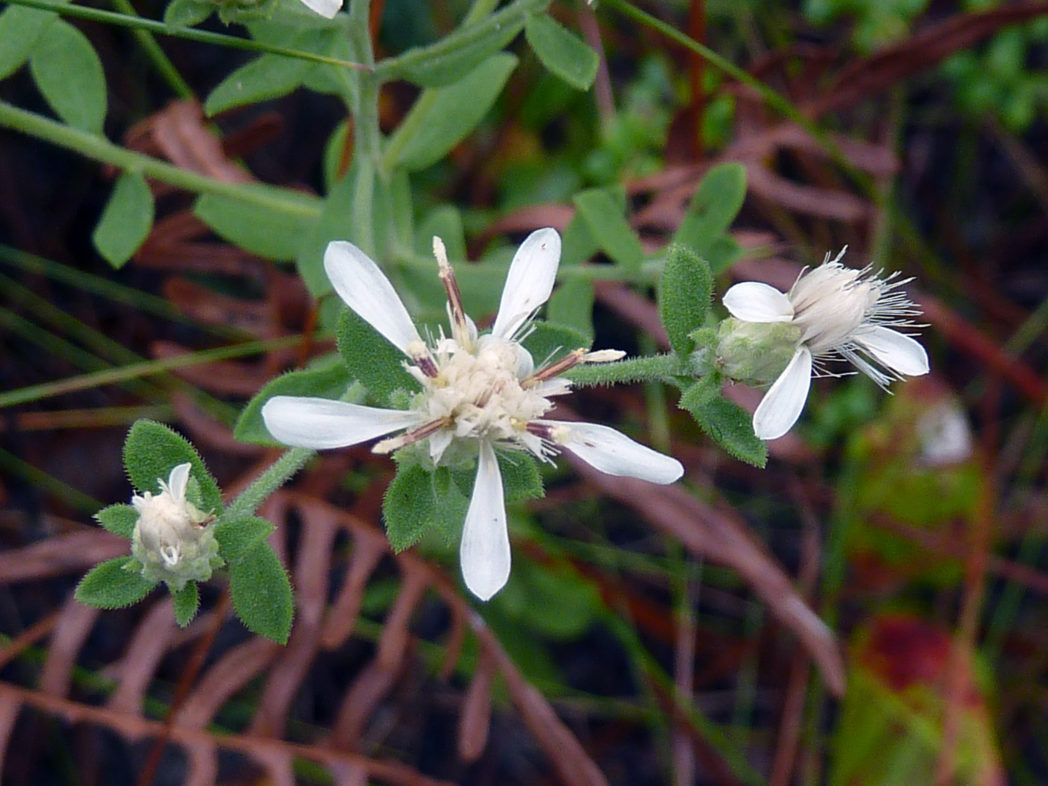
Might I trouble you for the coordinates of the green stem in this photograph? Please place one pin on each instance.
(100, 149)
(367, 149)
(773, 99)
(642, 369)
(188, 33)
(161, 61)
(135, 370)
(279, 473)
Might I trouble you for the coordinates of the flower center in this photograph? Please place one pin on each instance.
(829, 303)
(480, 393)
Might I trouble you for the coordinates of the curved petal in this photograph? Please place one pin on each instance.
(894, 350)
(613, 452)
(319, 423)
(366, 290)
(783, 402)
(484, 550)
(529, 281)
(752, 301)
(326, 8)
(179, 480)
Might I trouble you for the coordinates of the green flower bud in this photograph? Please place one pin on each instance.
(755, 353)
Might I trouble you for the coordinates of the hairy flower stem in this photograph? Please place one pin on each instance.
(642, 369)
(279, 473)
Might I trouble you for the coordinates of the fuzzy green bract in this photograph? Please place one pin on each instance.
(684, 297)
(724, 421)
(152, 449)
(261, 593)
(113, 584)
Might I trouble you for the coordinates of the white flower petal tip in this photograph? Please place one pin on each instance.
(321, 423)
(365, 289)
(326, 8)
(529, 281)
(613, 453)
(894, 350)
(179, 480)
(783, 402)
(484, 551)
(752, 301)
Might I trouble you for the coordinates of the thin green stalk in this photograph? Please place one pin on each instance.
(188, 33)
(773, 99)
(55, 346)
(279, 473)
(73, 497)
(100, 149)
(112, 290)
(136, 370)
(160, 60)
(643, 369)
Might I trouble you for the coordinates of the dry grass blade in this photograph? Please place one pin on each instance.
(476, 711)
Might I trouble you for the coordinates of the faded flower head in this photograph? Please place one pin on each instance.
(833, 312)
(171, 539)
(479, 393)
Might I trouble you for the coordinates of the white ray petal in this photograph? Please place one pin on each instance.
(613, 452)
(326, 8)
(894, 350)
(529, 281)
(783, 402)
(319, 423)
(752, 301)
(179, 480)
(484, 550)
(366, 290)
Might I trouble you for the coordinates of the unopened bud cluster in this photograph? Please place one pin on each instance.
(171, 540)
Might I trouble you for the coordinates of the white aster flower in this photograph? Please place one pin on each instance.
(170, 539)
(840, 313)
(478, 393)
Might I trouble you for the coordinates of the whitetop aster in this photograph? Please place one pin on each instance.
(479, 393)
(171, 540)
(838, 313)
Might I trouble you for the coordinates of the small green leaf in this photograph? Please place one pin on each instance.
(264, 78)
(572, 306)
(716, 202)
(419, 500)
(187, 13)
(561, 52)
(328, 380)
(126, 220)
(600, 210)
(520, 476)
(371, 358)
(455, 55)
(728, 424)
(442, 117)
(684, 296)
(114, 584)
(69, 74)
(20, 27)
(269, 232)
(237, 537)
(548, 341)
(118, 519)
(261, 593)
(187, 601)
(152, 450)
